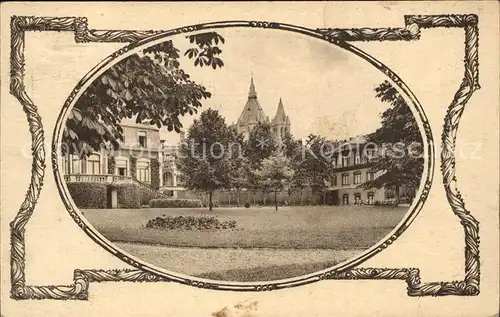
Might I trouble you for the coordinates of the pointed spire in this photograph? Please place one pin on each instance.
(281, 110)
(252, 93)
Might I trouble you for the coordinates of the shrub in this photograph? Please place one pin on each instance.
(155, 173)
(129, 196)
(247, 205)
(202, 223)
(175, 203)
(88, 195)
(148, 195)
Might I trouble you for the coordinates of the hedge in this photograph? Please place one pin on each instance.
(148, 195)
(129, 196)
(88, 195)
(175, 203)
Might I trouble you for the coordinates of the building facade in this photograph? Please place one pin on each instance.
(253, 114)
(141, 144)
(352, 163)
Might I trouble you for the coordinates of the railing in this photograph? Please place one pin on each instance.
(97, 178)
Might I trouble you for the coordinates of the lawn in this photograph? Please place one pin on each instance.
(339, 228)
(267, 244)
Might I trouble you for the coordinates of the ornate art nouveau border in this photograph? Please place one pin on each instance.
(82, 278)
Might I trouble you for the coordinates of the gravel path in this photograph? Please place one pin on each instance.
(200, 261)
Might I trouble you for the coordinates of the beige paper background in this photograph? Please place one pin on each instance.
(431, 67)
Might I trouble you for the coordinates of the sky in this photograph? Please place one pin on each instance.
(325, 89)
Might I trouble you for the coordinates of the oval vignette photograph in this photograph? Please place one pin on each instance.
(243, 155)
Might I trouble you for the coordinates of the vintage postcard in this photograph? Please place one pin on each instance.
(250, 159)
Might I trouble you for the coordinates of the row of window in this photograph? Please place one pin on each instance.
(356, 178)
(345, 161)
(91, 165)
(370, 198)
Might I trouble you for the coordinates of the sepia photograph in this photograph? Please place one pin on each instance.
(234, 156)
(250, 159)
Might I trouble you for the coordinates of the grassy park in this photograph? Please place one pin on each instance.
(266, 244)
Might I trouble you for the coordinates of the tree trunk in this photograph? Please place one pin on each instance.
(253, 194)
(265, 198)
(210, 201)
(237, 197)
(324, 198)
(301, 197)
(229, 202)
(276, 198)
(396, 203)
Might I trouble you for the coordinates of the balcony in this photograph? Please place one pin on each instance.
(97, 178)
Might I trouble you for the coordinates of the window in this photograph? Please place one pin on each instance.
(334, 162)
(334, 180)
(357, 178)
(345, 199)
(370, 176)
(357, 159)
(345, 179)
(143, 171)
(345, 161)
(143, 139)
(122, 171)
(77, 166)
(66, 166)
(370, 197)
(390, 193)
(369, 153)
(93, 164)
(357, 199)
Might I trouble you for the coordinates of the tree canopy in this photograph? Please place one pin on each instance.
(208, 158)
(149, 86)
(275, 172)
(399, 142)
(315, 168)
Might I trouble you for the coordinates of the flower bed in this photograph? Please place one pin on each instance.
(202, 223)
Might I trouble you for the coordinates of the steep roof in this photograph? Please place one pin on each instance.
(280, 117)
(252, 113)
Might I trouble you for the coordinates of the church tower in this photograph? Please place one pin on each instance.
(252, 113)
(280, 123)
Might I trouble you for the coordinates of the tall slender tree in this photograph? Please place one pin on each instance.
(260, 145)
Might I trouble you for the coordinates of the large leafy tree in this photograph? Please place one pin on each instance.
(149, 86)
(205, 159)
(275, 173)
(399, 160)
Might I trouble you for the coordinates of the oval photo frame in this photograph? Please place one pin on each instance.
(165, 274)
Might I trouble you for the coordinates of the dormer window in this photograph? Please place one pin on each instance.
(143, 139)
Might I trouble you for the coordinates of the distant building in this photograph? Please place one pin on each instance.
(352, 164)
(253, 114)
